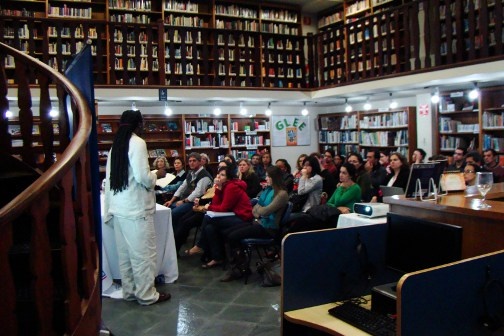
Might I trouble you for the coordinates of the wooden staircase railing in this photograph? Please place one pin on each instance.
(49, 269)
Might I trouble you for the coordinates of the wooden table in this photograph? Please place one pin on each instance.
(483, 229)
(318, 318)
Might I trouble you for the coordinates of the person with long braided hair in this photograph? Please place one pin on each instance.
(130, 204)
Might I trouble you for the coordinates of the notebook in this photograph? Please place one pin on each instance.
(391, 191)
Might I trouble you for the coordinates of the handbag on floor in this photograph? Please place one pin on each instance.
(270, 272)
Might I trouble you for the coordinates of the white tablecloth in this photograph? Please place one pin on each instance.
(351, 220)
(166, 263)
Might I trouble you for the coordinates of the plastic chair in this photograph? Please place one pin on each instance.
(250, 243)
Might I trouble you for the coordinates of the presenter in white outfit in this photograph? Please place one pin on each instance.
(129, 207)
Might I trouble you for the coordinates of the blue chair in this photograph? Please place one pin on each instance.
(249, 243)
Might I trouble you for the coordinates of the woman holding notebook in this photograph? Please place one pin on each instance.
(231, 198)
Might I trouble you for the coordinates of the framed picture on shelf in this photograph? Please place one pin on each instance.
(14, 130)
(172, 125)
(160, 152)
(106, 128)
(35, 130)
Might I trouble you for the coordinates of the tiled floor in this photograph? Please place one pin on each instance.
(201, 305)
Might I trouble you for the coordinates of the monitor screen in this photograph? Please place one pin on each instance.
(423, 172)
(414, 244)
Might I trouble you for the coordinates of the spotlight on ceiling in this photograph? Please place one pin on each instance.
(304, 111)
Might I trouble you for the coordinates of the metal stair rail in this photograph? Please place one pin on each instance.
(49, 269)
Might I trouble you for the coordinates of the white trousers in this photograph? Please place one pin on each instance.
(136, 249)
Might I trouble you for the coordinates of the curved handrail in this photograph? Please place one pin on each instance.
(55, 251)
(50, 177)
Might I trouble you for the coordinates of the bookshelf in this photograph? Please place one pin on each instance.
(360, 131)
(207, 134)
(170, 42)
(492, 119)
(339, 131)
(249, 135)
(361, 39)
(162, 134)
(458, 122)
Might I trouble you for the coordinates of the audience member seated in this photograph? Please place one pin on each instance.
(166, 193)
(194, 217)
(458, 162)
(267, 213)
(384, 159)
(341, 202)
(363, 177)
(264, 164)
(376, 172)
(492, 164)
(418, 156)
(328, 181)
(338, 162)
(297, 172)
(246, 174)
(398, 172)
(255, 161)
(287, 177)
(470, 171)
(230, 196)
(161, 164)
(205, 162)
(310, 187)
(194, 186)
(232, 162)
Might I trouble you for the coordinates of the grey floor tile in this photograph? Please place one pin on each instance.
(201, 305)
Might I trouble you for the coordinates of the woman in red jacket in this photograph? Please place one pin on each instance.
(230, 196)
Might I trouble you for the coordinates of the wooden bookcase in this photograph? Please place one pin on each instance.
(339, 131)
(249, 135)
(357, 41)
(360, 131)
(492, 119)
(180, 135)
(169, 42)
(458, 122)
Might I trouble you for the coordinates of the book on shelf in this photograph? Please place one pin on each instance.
(172, 125)
(14, 129)
(106, 128)
(161, 152)
(152, 153)
(174, 153)
(55, 128)
(35, 130)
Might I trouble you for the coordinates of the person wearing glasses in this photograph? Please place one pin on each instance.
(470, 171)
(297, 171)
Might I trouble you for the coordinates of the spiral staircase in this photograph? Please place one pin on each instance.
(49, 262)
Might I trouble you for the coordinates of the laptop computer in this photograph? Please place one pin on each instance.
(391, 191)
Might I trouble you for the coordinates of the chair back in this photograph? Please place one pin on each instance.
(286, 214)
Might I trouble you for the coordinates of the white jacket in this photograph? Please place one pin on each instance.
(138, 199)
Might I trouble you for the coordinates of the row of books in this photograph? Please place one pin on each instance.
(338, 136)
(247, 140)
(203, 126)
(207, 141)
(493, 119)
(455, 126)
(396, 119)
(386, 138)
(154, 153)
(493, 142)
(343, 149)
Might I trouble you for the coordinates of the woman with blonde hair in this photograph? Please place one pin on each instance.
(247, 174)
(162, 164)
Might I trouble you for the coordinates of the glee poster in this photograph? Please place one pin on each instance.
(290, 131)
